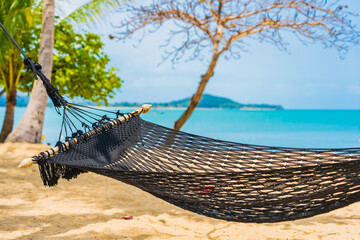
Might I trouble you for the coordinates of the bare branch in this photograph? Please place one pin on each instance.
(217, 24)
(220, 27)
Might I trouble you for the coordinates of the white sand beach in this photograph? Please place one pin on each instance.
(93, 207)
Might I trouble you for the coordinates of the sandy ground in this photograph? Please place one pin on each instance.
(92, 207)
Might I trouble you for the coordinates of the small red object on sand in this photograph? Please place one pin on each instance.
(127, 218)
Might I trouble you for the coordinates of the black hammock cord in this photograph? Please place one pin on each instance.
(220, 179)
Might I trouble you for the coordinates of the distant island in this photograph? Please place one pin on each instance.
(207, 101)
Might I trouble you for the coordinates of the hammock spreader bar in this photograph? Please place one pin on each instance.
(28, 162)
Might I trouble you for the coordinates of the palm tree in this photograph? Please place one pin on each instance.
(15, 16)
(30, 127)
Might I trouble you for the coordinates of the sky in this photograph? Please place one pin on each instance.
(308, 77)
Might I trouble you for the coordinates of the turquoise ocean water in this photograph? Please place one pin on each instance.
(291, 128)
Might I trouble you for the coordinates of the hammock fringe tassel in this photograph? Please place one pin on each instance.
(51, 173)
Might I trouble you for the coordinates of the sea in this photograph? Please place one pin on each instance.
(286, 128)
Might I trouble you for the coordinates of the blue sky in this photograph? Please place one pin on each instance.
(310, 77)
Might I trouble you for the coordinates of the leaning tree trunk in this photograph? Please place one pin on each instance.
(9, 114)
(195, 99)
(30, 126)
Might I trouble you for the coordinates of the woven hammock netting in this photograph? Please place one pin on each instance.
(224, 180)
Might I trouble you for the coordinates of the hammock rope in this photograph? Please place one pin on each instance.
(220, 179)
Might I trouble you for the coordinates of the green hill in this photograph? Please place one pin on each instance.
(207, 101)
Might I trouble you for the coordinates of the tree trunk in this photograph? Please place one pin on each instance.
(195, 99)
(9, 114)
(30, 126)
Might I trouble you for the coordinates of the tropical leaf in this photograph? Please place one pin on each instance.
(16, 16)
(92, 11)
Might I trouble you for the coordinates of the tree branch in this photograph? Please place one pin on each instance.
(217, 27)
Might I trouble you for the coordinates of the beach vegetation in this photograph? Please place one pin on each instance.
(80, 66)
(16, 16)
(30, 127)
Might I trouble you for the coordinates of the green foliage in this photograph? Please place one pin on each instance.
(80, 67)
(15, 15)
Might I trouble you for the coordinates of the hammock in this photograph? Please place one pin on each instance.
(225, 180)
(219, 179)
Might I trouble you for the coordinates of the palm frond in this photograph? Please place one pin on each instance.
(92, 11)
(15, 16)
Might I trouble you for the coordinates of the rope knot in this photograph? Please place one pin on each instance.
(33, 66)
